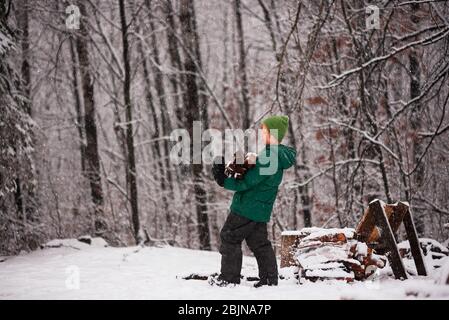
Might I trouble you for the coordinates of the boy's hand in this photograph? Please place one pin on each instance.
(237, 171)
(234, 170)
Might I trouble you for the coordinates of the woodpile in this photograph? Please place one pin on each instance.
(348, 254)
(329, 254)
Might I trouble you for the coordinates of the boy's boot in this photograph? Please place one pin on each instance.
(266, 282)
(219, 281)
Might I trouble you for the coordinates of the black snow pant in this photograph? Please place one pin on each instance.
(235, 230)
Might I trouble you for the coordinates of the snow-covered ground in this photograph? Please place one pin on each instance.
(156, 273)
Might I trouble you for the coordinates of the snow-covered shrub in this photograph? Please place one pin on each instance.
(442, 275)
(83, 242)
(434, 253)
(432, 250)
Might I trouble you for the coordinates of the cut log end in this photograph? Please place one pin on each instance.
(289, 243)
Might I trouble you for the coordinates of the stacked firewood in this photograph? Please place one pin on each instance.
(329, 254)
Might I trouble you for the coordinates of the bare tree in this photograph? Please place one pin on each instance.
(191, 100)
(17, 141)
(25, 192)
(131, 174)
(242, 65)
(416, 115)
(176, 78)
(92, 155)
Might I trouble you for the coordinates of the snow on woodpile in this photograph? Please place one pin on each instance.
(325, 234)
(333, 254)
(320, 261)
(291, 233)
(315, 232)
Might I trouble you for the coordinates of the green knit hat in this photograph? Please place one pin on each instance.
(279, 123)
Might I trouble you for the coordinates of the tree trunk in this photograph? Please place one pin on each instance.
(131, 175)
(175, 59)
(25, 193)
(166, 178)
(156, 146)
(203, 97)
(192, 110)
(242, 65)
(78, 106)
(416, 115)
(92, 156)
(26, 72)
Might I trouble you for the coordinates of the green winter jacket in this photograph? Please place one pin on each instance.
(256, 192)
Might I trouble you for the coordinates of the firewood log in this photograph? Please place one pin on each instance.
(289, 244)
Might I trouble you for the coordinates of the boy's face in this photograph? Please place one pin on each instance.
(265, 134)
(267, 137)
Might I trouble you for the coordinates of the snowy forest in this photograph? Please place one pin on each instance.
(90, 91)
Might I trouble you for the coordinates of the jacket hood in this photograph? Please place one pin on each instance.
(286, 155)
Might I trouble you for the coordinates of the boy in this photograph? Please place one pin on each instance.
(252, 205)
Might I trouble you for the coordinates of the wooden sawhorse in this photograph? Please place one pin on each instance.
(378, 227)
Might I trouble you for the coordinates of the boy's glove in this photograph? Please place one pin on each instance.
(237, 171)
(218, 171)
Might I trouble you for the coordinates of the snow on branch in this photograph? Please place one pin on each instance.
(338, 79)
(434, 206)
(432, 134)
(322, 172)
(406, 105)
(411, 3)
(368, 137)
